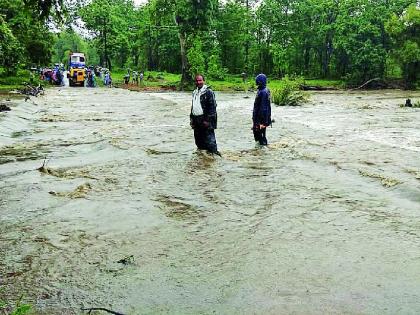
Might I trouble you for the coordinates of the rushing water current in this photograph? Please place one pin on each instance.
(105, 202)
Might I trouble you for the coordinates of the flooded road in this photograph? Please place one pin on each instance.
(127, 215)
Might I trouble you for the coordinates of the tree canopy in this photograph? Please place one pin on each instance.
(351, 40)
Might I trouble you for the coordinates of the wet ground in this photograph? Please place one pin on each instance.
(105, 202)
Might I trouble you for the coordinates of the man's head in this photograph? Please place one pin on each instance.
(199, 81)
(261, 80)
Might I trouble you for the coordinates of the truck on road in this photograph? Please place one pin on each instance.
(77, 72)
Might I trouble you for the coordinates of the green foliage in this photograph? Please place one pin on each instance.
(359, 41)
(403, 31)
(26, 38)
(69, 41)
(196, 58)
(352, 40)
(214, 68)
(150, 78)
(155, 42)
(325, 83)
(47, 9)
(109, 22)
(234, 44)
(10, 49)
(324, 38)
(19, 78)
(19, 309)
(288, 94)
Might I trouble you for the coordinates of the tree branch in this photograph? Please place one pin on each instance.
(367, 82)
(90, 309)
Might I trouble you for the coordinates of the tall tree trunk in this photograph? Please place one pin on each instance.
(328, 50)
(247, 44)
(150, 50)
(306, 57)
(410, 74)
(186, 76)
(106, 57)
(136, 59)
(157, 45)
(108, 61)
(328, 45)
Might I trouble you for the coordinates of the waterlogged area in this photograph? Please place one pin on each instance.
(105, 202)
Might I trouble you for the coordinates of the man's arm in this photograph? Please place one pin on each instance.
(209, 109)
(265, 109)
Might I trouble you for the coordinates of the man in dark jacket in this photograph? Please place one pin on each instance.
(203, 117)
(261, 115)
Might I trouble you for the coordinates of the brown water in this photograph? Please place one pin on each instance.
(326, 220)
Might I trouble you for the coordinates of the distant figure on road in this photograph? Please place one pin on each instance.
(90, 77)
(203, 117)
(141, 77)
(135, 77)
(261, 115)
(127, 78)
(244, 76)
(31, 78)
(107, 79)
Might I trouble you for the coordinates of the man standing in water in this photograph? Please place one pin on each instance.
(203, 117)
(261, 115)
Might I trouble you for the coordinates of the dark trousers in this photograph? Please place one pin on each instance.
(205, 139)
(259, 135)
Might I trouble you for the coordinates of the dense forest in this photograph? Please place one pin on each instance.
(350, 40)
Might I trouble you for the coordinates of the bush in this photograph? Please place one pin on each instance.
(20, 77)
(289, 94)
(215, 70)
(20, 309)
(196, 58)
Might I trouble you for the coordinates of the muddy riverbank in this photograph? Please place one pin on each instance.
(127, 215)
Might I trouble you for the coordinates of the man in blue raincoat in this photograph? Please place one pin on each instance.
(261, 115)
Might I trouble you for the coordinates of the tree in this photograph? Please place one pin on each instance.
(196, 58)
(159, 35)
(44, 9)
(405, 33)
(233, 45)
(109, 21)
(193, 18)
(10, 48)
(28, 25)
(69, 41)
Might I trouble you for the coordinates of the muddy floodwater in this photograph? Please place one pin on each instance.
(126, 214)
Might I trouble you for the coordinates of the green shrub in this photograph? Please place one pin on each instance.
(196, 58)
(20, 309)
(289, 94)
(215, 70)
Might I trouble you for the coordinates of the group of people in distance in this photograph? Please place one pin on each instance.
(203, 116)
(135, 77)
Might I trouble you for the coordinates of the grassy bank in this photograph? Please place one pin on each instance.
(154, 80)
(169, 81)
(16, 81)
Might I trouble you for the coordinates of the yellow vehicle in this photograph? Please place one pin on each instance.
(76, 73)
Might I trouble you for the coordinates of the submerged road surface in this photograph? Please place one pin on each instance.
(125, 214)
